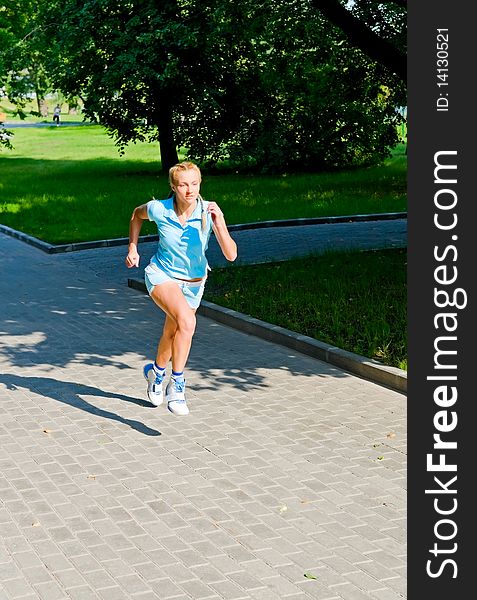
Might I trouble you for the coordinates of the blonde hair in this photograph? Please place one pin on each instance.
(181, 167)
(173, 176)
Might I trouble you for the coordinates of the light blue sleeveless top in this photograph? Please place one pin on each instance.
(181, 248)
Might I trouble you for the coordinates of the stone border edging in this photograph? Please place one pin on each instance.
(371, 370)
(318, 221)
(76, 246)
(23, 237)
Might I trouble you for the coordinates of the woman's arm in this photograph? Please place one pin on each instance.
(226, 243)
(138, 216)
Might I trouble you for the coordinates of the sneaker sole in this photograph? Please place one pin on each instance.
(177, 414)
(154, 401)
(151, 400)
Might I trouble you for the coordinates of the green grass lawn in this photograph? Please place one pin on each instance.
(69, 184)
(353, 300)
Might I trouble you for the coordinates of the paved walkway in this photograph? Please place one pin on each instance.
(286, 481)
(259, 245)
(47, 123)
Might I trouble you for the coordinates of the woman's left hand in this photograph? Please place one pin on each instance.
(226, 243)
(215, 212)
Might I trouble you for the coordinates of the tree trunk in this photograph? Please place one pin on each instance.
(167, 145)
(38, 101)
(43, 107)
(378, 49)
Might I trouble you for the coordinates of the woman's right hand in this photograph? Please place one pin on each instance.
(132, 259)
(138, 216)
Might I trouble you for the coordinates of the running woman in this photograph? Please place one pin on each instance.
(176, 274)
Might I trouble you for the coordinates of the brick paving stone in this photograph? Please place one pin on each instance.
(102, 494)
(17, 588)
(229, 591)
(386, 594)
(82, 593)
(265, 594)
(113, 592)
(351, 592)
(364, 581)
(50, 591)
(166, 588)
(70, 578)
(198, 590)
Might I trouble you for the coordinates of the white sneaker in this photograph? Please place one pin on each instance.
(175, 396)
(154, 385)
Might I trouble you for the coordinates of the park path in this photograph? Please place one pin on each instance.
(286, 469)
(258, 246)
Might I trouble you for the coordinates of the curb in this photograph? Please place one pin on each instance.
(318, 221)
(371, 370)
(74, 246)
(77, 246)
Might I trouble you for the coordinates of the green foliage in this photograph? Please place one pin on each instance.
(323, 104)
(5, 137)
(388, 21)
(305, 98)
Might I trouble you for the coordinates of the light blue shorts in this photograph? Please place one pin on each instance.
(192, 290)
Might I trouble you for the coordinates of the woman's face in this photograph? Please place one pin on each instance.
(187, 186)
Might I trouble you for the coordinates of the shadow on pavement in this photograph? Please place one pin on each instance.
(110, 328)
(70, 393)
(59, 314)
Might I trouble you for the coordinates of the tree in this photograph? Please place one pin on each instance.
(21, 58)
(143, 67)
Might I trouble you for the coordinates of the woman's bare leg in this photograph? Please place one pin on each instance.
(164, 348)
(170, 299)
